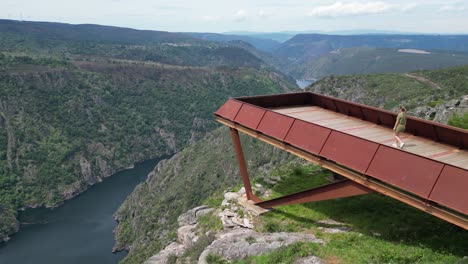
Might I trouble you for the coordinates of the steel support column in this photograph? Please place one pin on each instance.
(242, 166)
(335, 190)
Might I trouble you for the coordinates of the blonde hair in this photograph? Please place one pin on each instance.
(402, 108)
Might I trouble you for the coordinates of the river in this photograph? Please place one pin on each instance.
(80, 231)
(303, 83)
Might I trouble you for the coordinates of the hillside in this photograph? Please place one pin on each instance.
(262, 44)
(305, 46)
(372, 60)
(89, 32)
(314, 55)
(147, 223)
(88, 42)
(387, 91)
(66, 124)
(148, 217)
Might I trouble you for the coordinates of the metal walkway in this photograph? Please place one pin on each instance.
(429, 173)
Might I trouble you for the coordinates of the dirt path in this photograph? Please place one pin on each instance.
(423, 80)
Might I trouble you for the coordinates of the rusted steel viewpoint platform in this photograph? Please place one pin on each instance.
(430, 173)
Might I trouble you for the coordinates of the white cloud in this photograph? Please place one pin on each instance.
(241, 15)
(452, 8)
(350, 9)
(408, 7)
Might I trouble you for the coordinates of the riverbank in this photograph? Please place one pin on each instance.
(87, 220)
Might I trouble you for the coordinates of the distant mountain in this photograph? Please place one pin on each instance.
(375, 60)
(283, 36)
(90, 32)
(316, 55)
(305, 46)
(91, 41)
(262, 44)
(277, 36)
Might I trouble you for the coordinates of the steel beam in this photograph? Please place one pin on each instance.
(335, 190)
(242, 166)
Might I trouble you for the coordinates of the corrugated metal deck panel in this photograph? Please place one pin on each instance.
(353, 152)
(249, 116)
(275, 125)
(230, 109)
(403, 170)
(307, 136)
(451, 189)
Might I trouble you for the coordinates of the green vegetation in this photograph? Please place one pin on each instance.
(216, 259)
(194, 252)
(381, 90)
(390, 90)
(65, 124)
(460, 121)
(89, 42)
(383, 230)
(454, 81)
(209, 222)
(284, 255)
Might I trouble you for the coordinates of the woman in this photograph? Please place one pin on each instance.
(399, 127)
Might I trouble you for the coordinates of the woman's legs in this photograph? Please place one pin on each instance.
(398, 140)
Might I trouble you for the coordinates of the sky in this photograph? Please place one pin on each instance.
(424, 16)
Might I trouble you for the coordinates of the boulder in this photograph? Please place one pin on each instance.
(243, 243)
(309, 260)
(186, 235)
(173, 249)
(190, 217)
(231, 196)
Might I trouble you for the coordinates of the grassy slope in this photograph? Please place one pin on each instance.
(383, 229)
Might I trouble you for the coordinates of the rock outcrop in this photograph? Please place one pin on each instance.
(443, 112)
(237, 240)
(243, 243)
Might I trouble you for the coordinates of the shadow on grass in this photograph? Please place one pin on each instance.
(376, 214)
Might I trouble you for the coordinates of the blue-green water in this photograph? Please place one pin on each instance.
(80, 231)
(305, 82)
